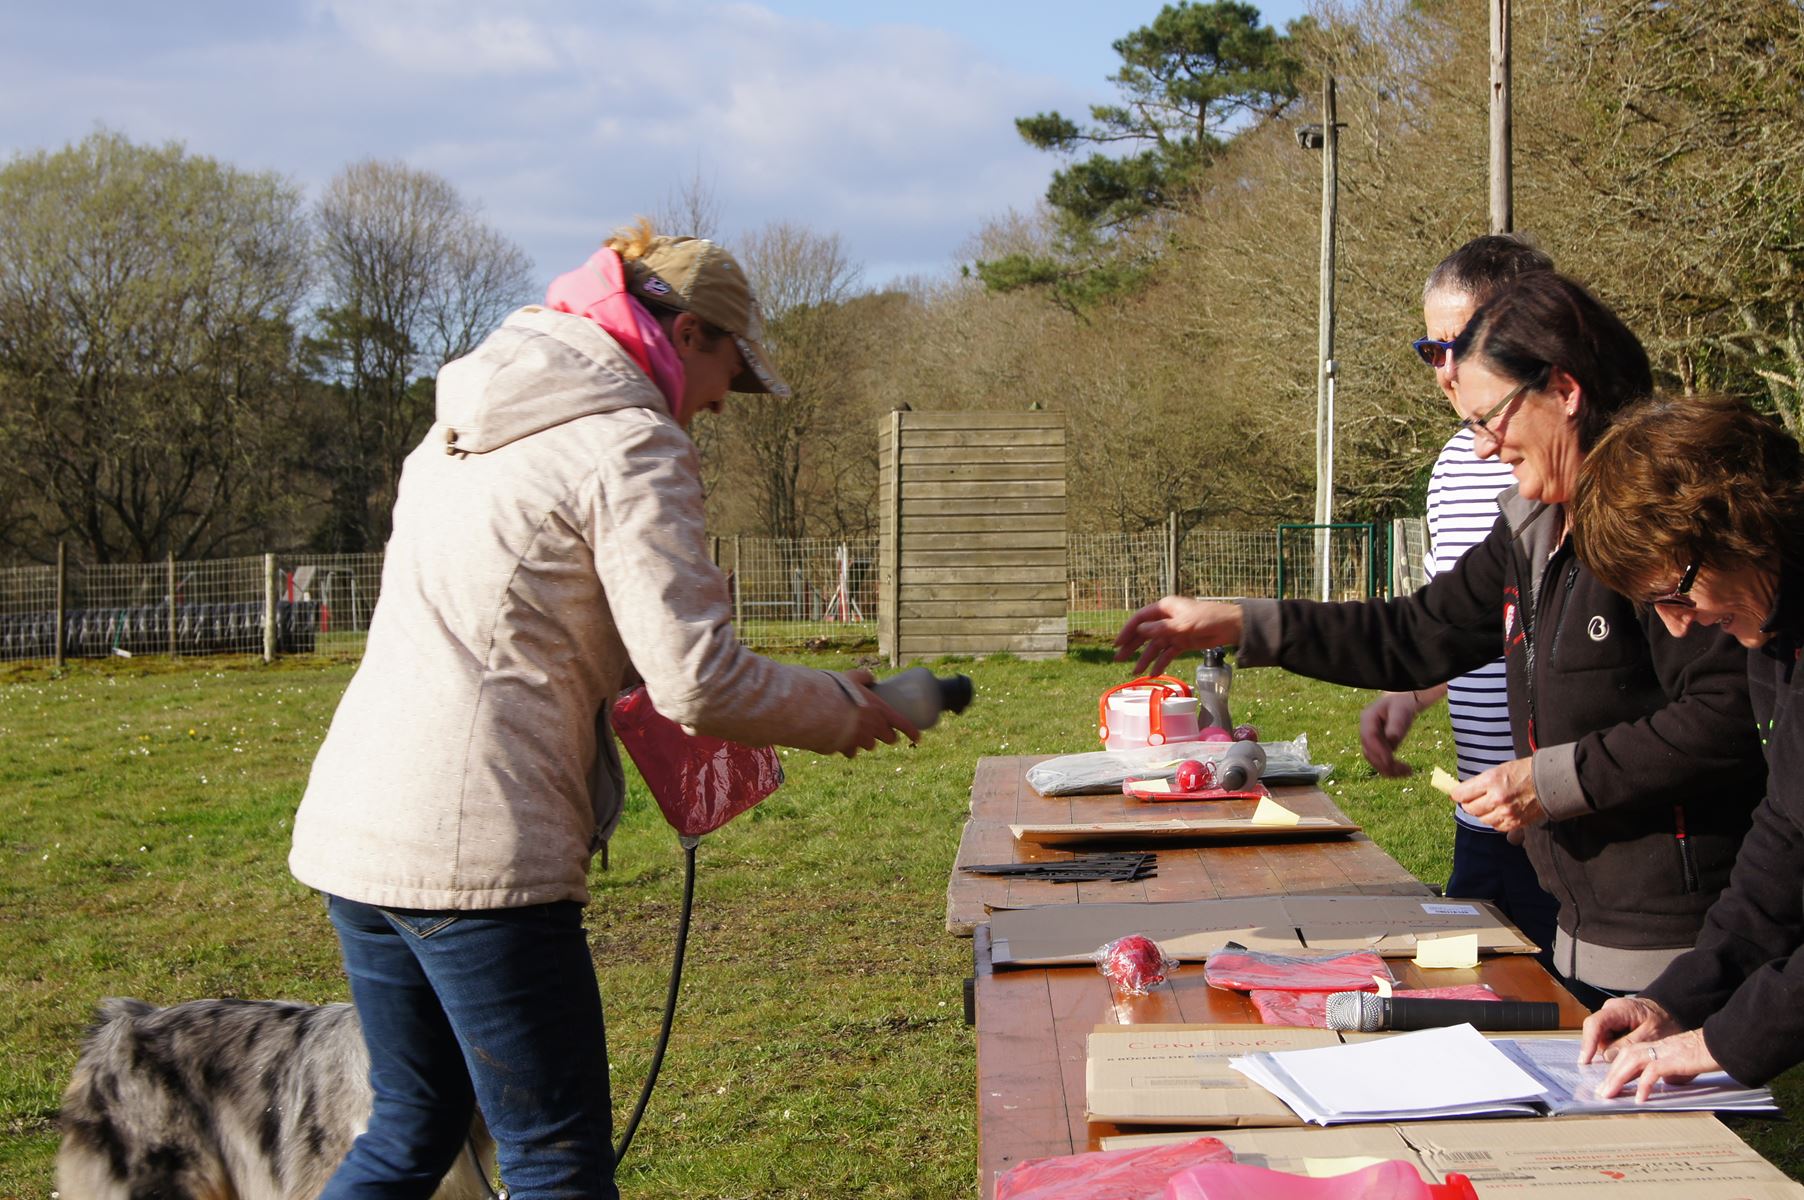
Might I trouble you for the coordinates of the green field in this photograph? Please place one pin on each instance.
(820, 1048)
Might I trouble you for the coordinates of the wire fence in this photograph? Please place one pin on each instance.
(787, 593)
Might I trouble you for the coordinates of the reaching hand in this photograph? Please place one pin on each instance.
(1503, 797)
(1382, 727)
(1167, 628)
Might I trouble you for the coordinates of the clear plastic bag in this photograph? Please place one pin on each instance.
(1135, 964)
(1238, 969)
(699, 782)
(1107, 770)
(1137, 1173)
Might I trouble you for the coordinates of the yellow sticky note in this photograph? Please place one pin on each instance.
(1384, 985)
(1442, 781)
(1328, 1168)
(1152, 785)
(1459, 950)
(1270, 812)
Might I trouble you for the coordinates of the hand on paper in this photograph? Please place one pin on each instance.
(876, 721)
(1652, 1048)
(1167, 628)
(1503, 797)
(1383, 725)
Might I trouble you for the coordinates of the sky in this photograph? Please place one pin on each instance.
(889, 124)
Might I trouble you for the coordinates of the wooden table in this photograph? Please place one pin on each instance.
(1000, 797)
(1032, 1023)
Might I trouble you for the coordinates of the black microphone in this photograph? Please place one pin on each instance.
(1369, 1013)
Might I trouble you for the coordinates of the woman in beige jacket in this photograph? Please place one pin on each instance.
(548, 550)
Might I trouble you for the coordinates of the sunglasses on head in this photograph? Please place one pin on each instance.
(1680, 596)
(1434, 351)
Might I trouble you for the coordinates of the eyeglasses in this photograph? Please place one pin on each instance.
(1680, 597)
(1482, 424)
(1436, 352)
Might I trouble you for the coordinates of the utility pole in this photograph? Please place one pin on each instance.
(1502, 180)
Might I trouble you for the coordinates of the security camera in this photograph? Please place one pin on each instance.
(1309, 137)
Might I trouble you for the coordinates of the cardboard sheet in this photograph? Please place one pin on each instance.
(1677, 1156)
(1179, 1075)
(1146, 833)
(1190, 930)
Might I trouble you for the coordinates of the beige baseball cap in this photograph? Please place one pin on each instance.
(697, 276)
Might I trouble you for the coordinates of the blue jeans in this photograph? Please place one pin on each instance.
(497, 1009)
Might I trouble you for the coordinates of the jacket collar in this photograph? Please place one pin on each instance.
(1535, 527)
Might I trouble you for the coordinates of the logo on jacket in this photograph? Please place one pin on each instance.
(655, 286)
(1509, 620)
(1599, 629)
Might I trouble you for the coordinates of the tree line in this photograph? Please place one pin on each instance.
(193, 360)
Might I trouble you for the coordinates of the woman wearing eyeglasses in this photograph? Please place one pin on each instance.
(1637, 768)
(1462, 508)
(1697, 504)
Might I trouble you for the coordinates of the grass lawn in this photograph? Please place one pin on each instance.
(820, 1048)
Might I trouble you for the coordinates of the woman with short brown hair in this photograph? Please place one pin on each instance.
(1695, 504)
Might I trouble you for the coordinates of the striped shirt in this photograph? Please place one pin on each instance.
(1462, 508)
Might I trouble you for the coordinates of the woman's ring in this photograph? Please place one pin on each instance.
(1653, 1052)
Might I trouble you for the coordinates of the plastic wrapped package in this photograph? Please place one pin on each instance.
(1237, 969)
(1389, 1180)
(1135, 964)
(1138, 1173)
(699, 782)
(1310, 1009)
(1107, 770)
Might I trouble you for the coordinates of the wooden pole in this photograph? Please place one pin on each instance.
(62, 600)
(1503, 216)
(1324, 396)
(170, 590)
(269, 608)
(1171, 553)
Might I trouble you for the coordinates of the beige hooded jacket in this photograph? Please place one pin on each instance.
(548, 546)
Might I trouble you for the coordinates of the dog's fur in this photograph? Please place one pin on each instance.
(224, 1100)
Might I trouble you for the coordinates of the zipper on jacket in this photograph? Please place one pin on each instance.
(1687, 863)
(1571, 578)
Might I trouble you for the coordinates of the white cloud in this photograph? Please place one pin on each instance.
(563, 120)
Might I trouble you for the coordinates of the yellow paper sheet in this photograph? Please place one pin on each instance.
(1152, 785)
(1270, 812)
(1460, 950)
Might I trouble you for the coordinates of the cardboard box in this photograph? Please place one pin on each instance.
(1179, 1075)
(1666, 1156)
(1190, 930)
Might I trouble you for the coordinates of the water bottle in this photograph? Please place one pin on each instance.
(1212, 681)
(922, 696)
(1240, 766)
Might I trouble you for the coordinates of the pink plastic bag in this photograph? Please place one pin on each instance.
(1138, 1173)
(1135, 964)
(1310, 1009)
(1392, 1180)
(700, 782)
(1239, 969)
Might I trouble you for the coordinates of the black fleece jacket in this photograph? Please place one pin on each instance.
(1745, 981)
(1644, 750)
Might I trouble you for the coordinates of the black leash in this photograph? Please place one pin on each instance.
(670, 1000)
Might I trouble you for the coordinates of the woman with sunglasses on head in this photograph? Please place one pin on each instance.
(1462, 507)
(1637, 769)
(1697, 504)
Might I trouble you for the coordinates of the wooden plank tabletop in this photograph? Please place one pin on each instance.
(1032, 1022)
(1001, 796)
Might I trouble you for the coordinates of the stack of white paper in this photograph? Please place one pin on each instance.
(1456, 1072)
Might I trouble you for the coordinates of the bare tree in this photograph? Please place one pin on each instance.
(692, 208)
(147, 299)
(412, 279)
